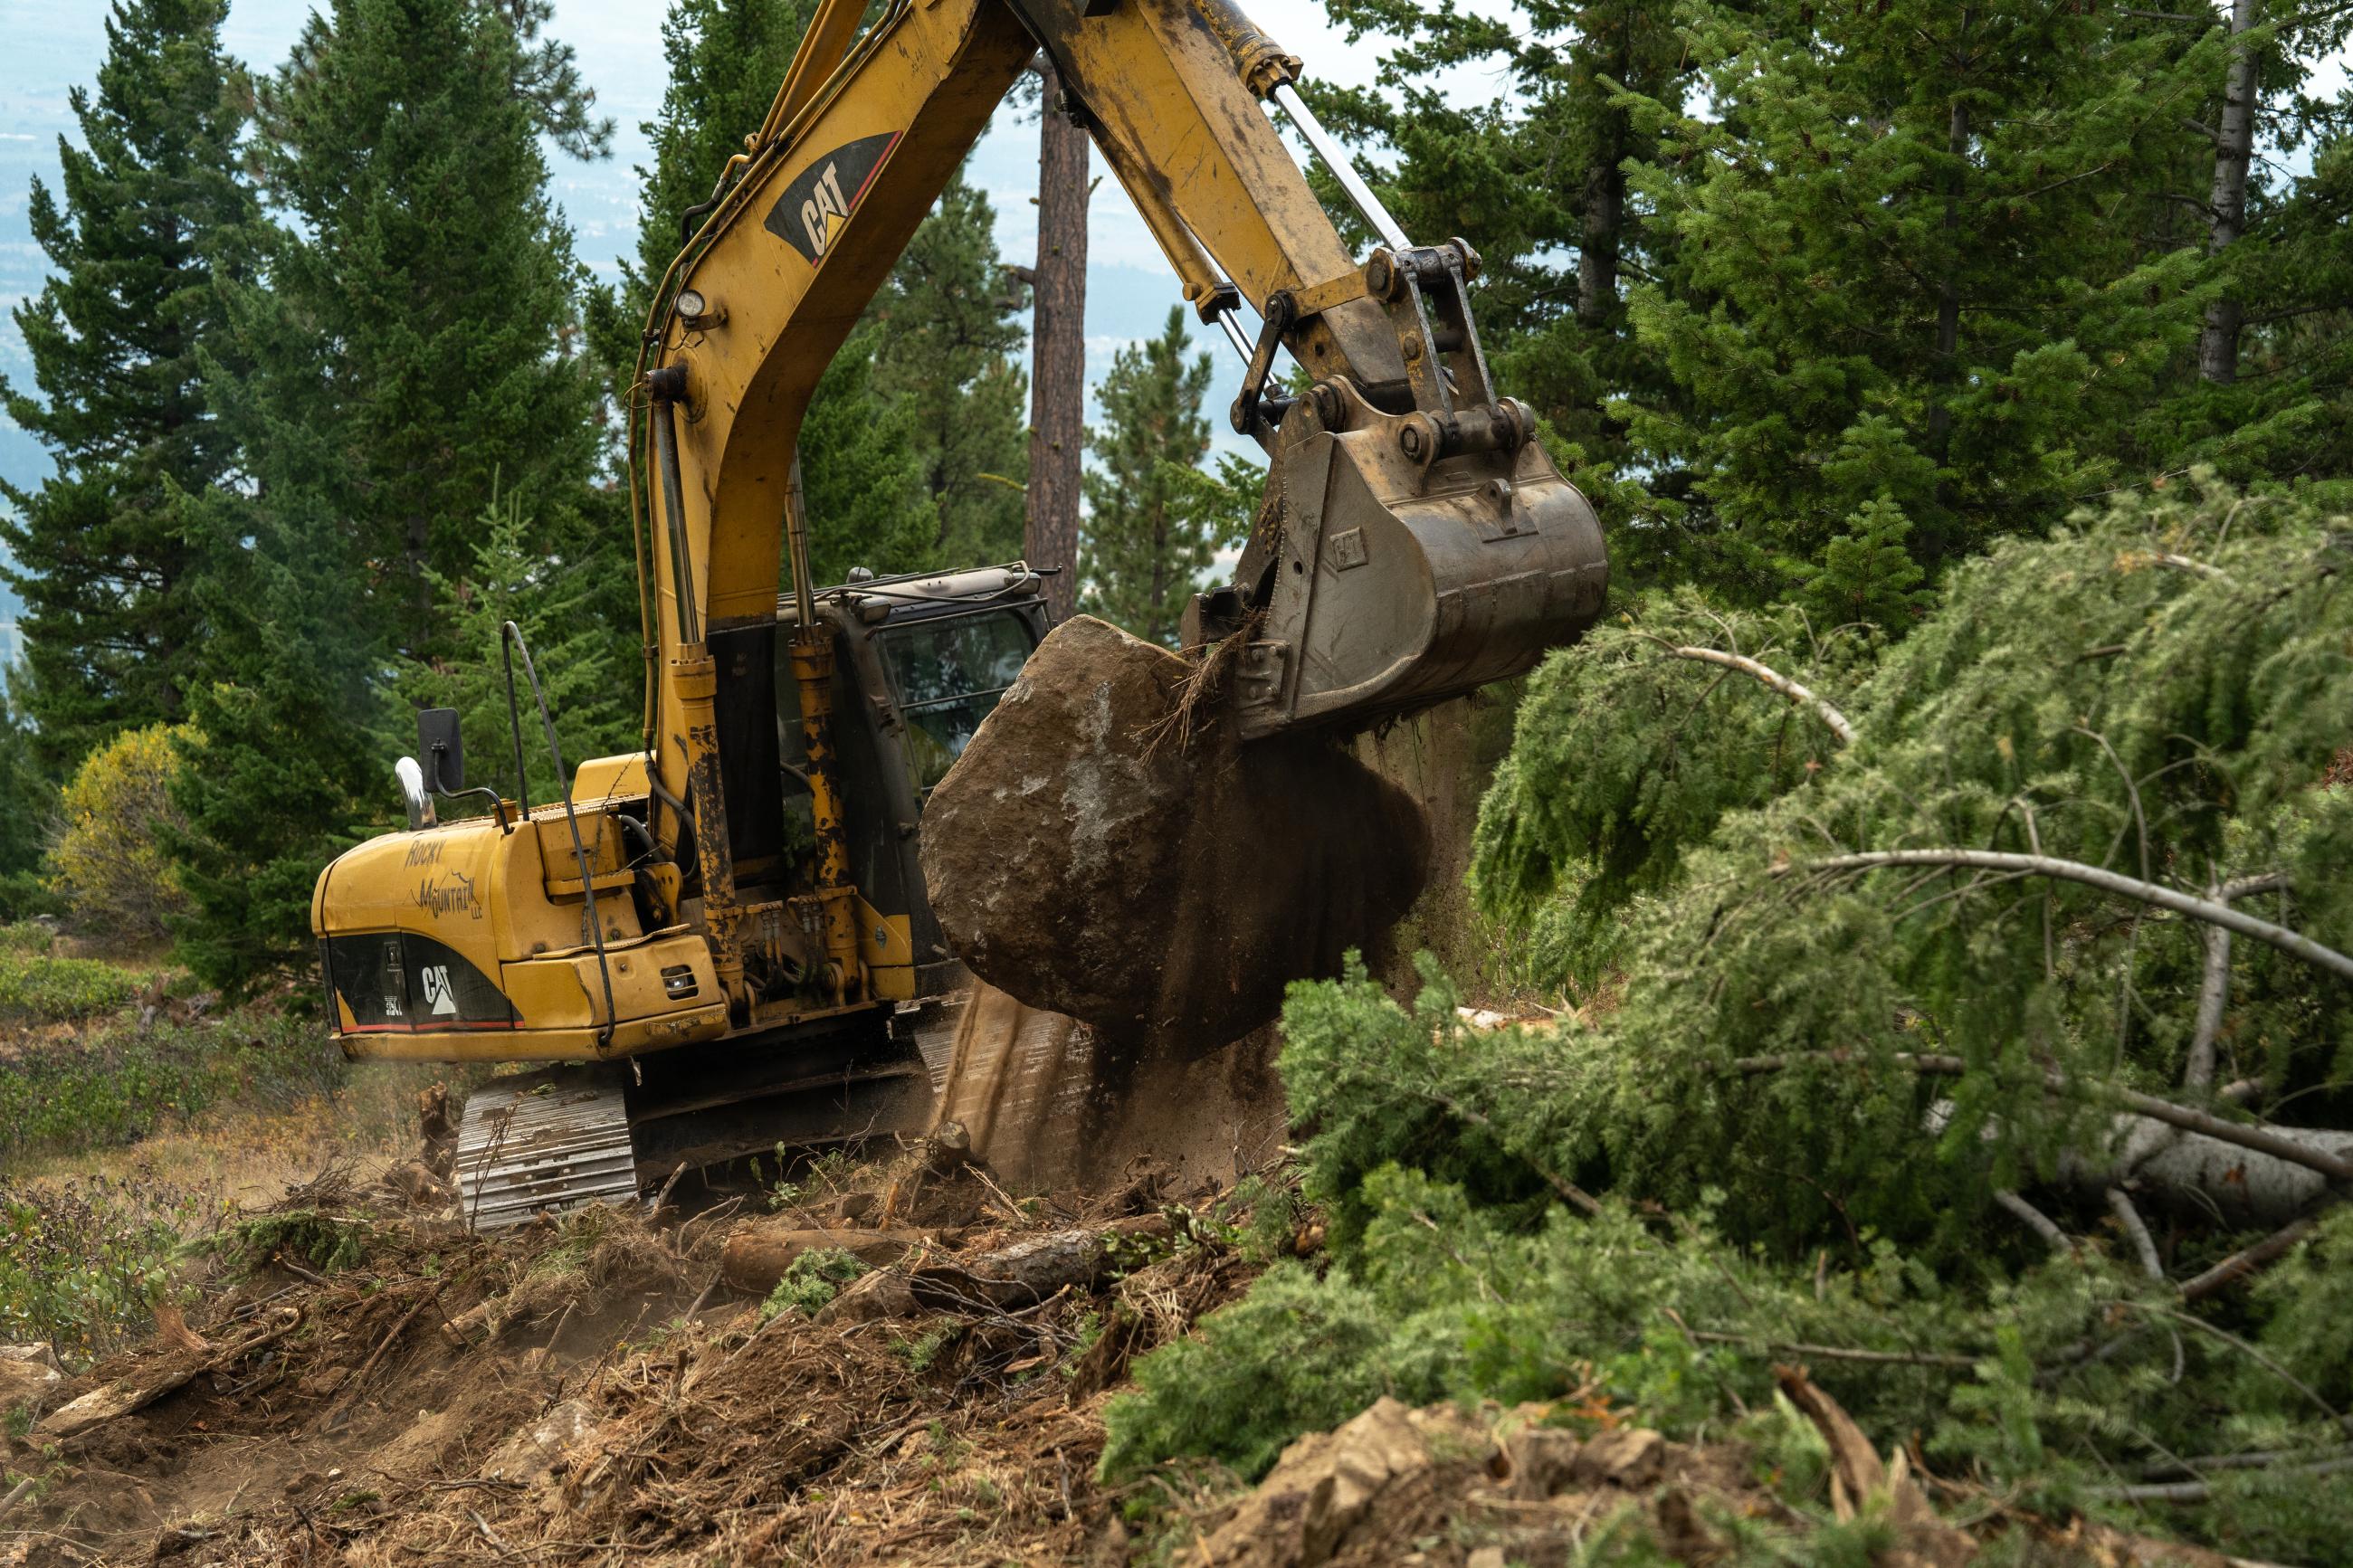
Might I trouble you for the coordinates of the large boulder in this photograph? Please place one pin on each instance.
(1161, 881)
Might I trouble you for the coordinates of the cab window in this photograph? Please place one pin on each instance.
(947, 675)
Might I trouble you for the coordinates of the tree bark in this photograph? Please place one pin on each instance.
(1058, 374)
(1605, 222)
(758, 1254)
(2234, 147)
(1949, 286)
(1600, 245)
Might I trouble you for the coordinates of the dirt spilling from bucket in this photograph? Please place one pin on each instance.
(1108, 847)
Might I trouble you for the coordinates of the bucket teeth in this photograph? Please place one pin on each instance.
(542, 1143)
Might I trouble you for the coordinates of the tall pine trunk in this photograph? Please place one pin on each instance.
(1058, 376)
(2226, 205)
(1604, 224)
(1605, 218)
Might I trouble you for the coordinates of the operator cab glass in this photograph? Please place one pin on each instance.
(947, 676)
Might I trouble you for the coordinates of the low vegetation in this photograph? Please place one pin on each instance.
(1920, 1121)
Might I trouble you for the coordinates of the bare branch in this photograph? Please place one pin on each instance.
(2120, 1205)
(2036, 1221)
(2198, 1492)
(2262, 1139)
(2207, 910)
(1840, 1352)
(2184, 563)
(1774, 679)
(2247, 1260)
(2213, 993)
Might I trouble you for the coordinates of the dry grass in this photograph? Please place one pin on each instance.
(248, 1157)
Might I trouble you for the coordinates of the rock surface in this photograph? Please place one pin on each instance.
(1085, 860)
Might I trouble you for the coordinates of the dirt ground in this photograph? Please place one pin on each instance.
(357, 1381)
(589, 1390)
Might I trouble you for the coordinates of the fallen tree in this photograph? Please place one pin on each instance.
(1966, 1013)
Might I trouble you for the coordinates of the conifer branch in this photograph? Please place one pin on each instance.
(2207, 910)
(1773, 678)
(2248, 1261)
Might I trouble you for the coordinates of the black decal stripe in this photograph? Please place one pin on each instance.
(854, 165)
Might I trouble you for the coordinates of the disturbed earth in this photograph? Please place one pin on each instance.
(894, 1363)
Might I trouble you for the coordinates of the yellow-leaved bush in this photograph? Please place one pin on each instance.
(107, 859)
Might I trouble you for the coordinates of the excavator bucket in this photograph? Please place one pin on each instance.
(1397, 563)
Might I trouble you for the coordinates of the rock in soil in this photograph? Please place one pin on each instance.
(1088, 857)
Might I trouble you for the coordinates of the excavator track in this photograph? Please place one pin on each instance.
(542, 1142)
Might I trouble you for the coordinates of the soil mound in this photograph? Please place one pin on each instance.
(1106, 849)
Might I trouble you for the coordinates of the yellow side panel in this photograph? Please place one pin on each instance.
(600, 780)
(887, 948)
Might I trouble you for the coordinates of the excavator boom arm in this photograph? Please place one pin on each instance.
(1415, 540)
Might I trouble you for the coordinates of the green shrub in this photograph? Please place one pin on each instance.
(811, 1281)
(108, 861)
(118, 1081)
(84, 1262)
(43, 990)
(28, 938)
(1296, 1354)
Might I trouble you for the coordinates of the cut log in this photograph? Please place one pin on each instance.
(870, 1297)
(758, 1253)
(143, 1388)
(2204, 1176)
(1031, 1270)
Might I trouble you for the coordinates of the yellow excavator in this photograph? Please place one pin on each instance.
(731, 922)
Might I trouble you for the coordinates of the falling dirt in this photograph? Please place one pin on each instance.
(1091, 858)
(1038, 1098)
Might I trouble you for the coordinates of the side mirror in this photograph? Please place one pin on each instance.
(441, 749)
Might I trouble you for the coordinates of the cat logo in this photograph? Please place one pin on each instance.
(440, 999)
(809, 214)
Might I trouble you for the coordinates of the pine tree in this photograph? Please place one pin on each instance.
(1909, 273)
(290, 756)
(410, 357)
(509, 580)
(948, 352)
(1536, 177)
(420, 309)
(28, 801)
(2275, 391)
(1142, 549)
(149, 203)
